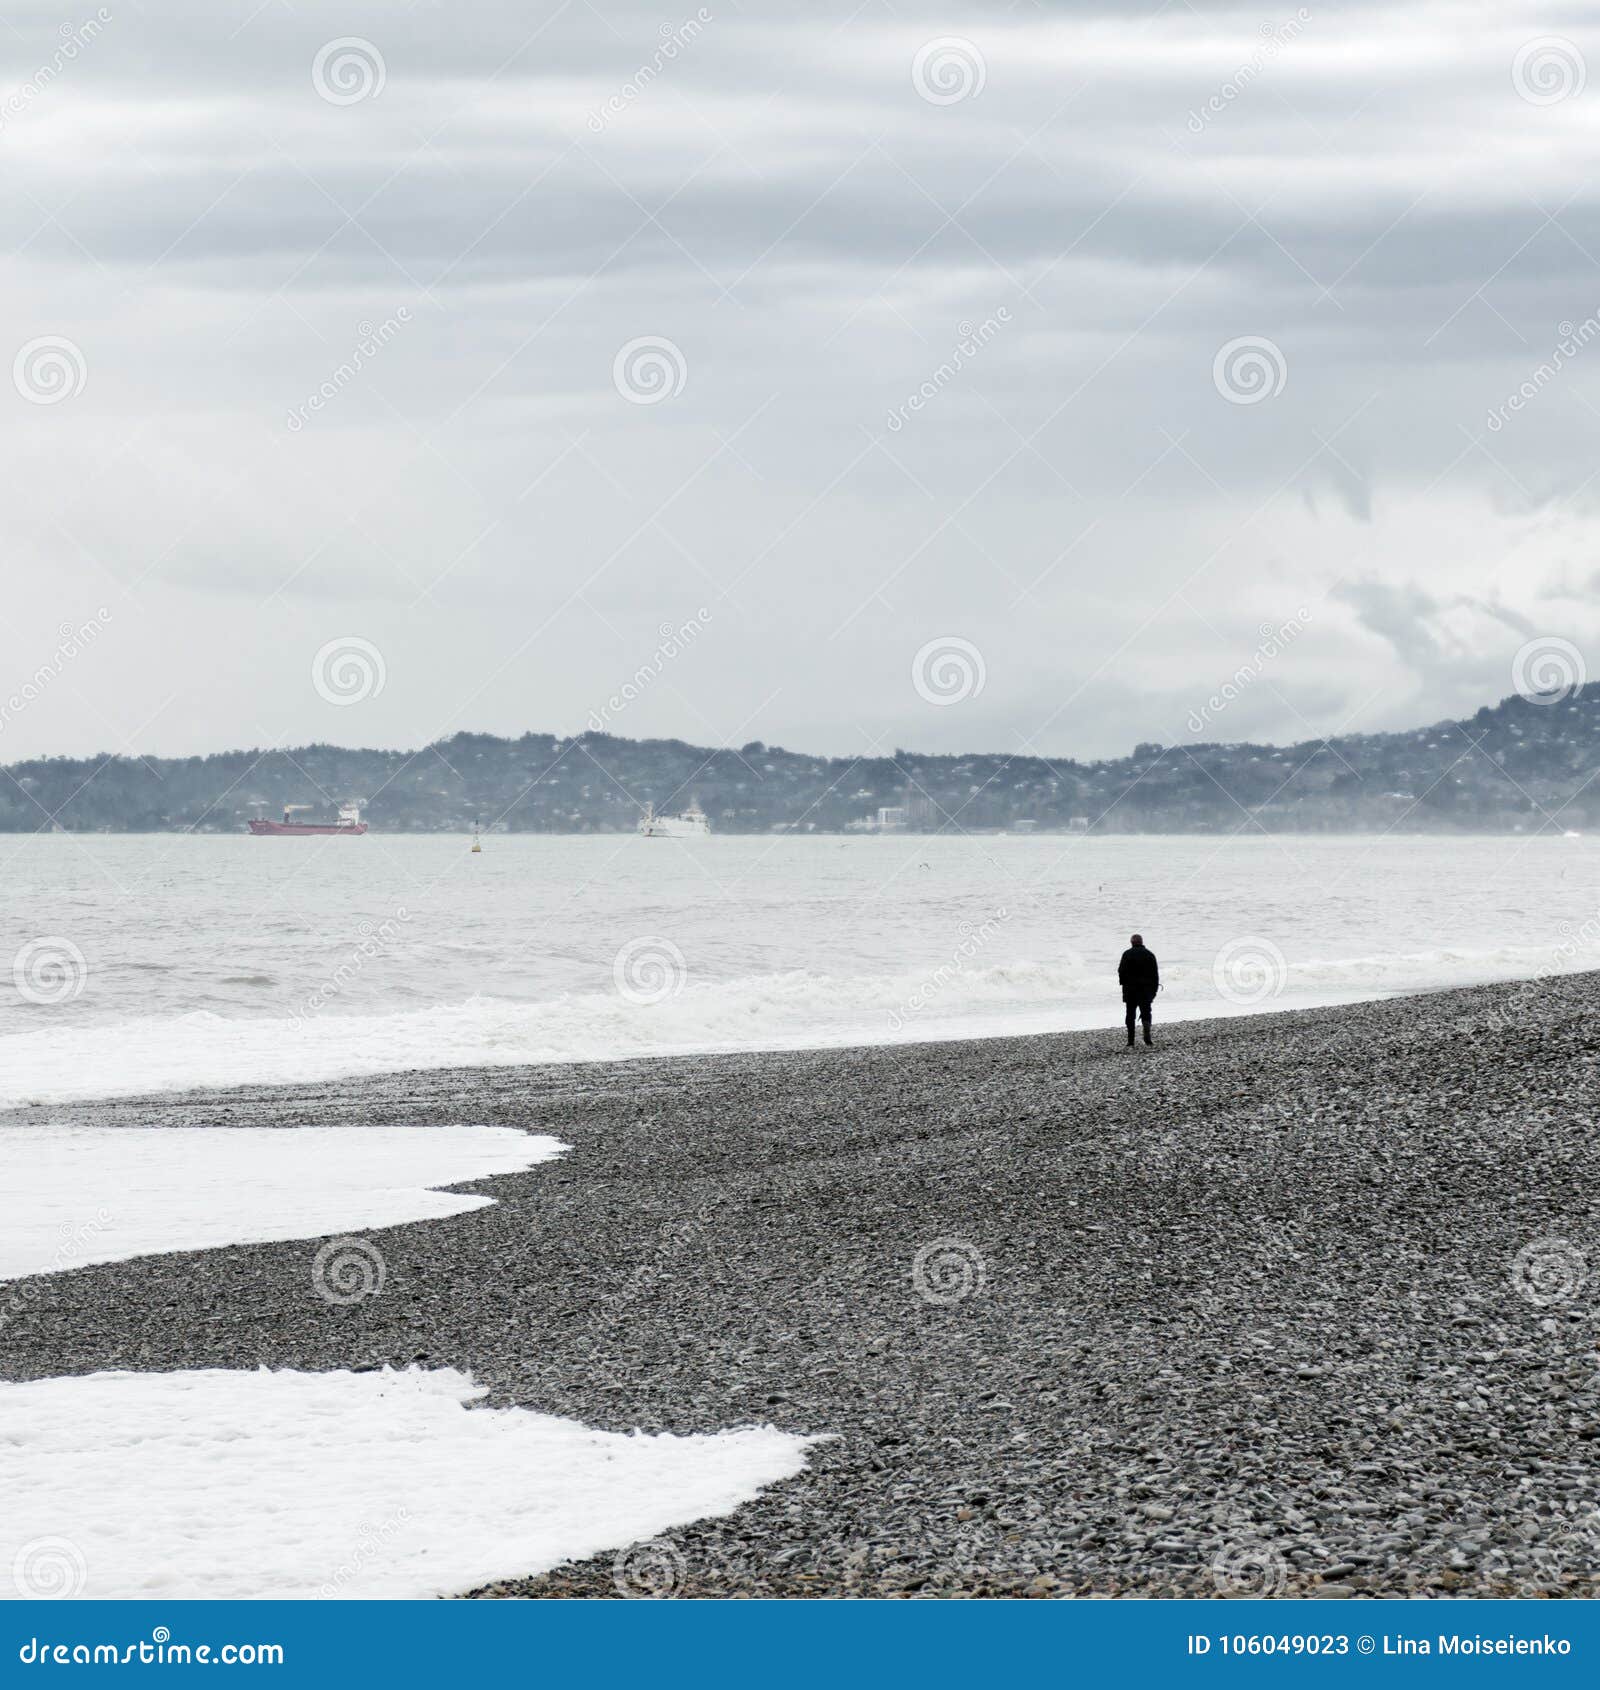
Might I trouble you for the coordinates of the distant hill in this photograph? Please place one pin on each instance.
(1522, 765)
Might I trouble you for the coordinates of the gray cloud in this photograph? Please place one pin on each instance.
(837, 480)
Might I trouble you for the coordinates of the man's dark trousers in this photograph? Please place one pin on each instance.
(1141, 1007)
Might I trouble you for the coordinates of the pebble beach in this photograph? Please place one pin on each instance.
(1294, 1304)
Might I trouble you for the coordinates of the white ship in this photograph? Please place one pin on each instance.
(692, 824)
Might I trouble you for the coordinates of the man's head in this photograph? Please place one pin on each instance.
(1137, 939)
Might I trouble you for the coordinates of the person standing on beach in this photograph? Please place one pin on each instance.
(1141, 980)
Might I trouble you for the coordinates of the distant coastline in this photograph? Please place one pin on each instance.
(1524, 765)
(845, 834)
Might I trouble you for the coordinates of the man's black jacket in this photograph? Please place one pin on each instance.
(1139, 974)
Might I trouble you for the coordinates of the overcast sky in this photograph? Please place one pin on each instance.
(1083, 520)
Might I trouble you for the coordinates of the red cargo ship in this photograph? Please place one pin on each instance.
(349, 822)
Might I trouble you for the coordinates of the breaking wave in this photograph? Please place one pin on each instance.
(794, 1010)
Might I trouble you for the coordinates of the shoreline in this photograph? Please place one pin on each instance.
(1004, 1026)
(1064, 1024)
(1250, 1300)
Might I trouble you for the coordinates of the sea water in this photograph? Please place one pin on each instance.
(132, 963)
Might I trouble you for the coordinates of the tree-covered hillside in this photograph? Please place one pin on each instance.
(1521, 765)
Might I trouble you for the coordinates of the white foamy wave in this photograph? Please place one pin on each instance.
(79, 1195)
(794, 1010)
(338, 1485)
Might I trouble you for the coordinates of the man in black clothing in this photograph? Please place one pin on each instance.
(1141, 980)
